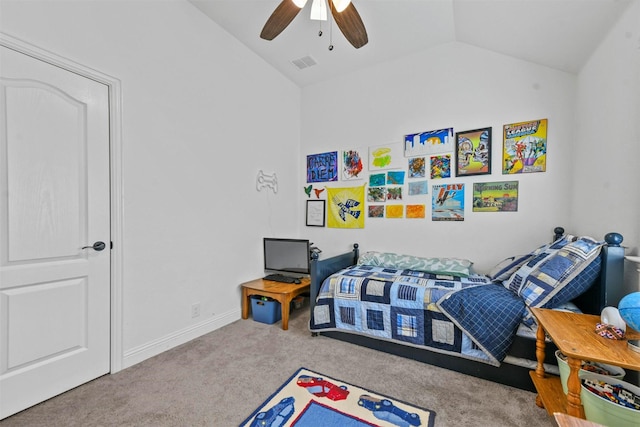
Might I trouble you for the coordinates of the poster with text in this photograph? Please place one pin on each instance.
(346, 207)
(524, 147)
(447, 202)
(495, 196)
(322, 167)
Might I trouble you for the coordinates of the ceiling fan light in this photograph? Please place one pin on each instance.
(319, 10)
(340, 5)
(299, 3)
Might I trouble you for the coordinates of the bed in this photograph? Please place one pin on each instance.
(438, 311)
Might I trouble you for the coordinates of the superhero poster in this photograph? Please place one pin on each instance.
(525, 147)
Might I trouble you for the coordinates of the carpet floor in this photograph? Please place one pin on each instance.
(221, 377)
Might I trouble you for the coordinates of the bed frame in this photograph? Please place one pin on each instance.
(600, 295)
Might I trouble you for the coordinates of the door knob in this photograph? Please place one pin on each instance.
(97, 246)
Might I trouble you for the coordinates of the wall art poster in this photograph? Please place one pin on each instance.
(394, 211)
(440, 166)
(473, 152)
(376, 211)
(387, 156)
(351, 164)
(315, 213)
(322, 167)
(377, 179)
(431, 142)
(376, 194)
(346, 207)
(394, 193)
(525, 147)
(395, 177)
(415, 211)
(447, 202)
(495, 196)
(417, 168)
(418, 187)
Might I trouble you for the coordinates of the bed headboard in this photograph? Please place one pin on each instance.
(320, 270)
(607, 289)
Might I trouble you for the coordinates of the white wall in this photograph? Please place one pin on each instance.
(463, 87)
(201, 115)
(606, 181)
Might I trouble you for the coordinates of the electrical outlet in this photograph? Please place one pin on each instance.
(195, 310)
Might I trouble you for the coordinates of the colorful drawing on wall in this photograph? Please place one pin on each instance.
(351, 164)
(395, 177)
(387, 156)
(316, 191)
(432, 142)
(473, 152)
(345, 207)
(376, 211)
(307, 190)
(394, 193)
(417, 188)
(440, 166)
(322, 167)
(377, 179)
(415, 211)
(524, 147)
(495, 196)
(394, 211)
(448, 202)
(376, 194)
(417, 167)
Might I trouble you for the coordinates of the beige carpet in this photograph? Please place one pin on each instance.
(220, 378)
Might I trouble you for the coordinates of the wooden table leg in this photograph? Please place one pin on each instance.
(285, 305)
(245, 303)
(574, 404)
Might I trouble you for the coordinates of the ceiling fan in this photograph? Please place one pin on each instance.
(343, 11)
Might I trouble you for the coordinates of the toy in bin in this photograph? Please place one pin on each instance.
(265, 309)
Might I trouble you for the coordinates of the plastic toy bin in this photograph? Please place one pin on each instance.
(265, 309)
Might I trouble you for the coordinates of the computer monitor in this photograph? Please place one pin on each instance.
(286, 255)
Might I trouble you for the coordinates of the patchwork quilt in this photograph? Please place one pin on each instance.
(469, 317)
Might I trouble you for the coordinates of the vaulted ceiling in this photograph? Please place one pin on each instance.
(560, 34)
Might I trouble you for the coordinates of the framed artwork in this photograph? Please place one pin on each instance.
(473, 152)
(495, 196)
(315, 213)
(525, 147)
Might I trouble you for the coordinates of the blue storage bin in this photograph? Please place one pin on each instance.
(265, 310)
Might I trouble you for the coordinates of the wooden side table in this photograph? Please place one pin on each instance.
(282, 292)
(574, 335)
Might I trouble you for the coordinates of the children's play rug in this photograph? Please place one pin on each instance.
(309, 399)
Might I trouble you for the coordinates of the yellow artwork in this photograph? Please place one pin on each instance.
(395, 211)
(346, 207)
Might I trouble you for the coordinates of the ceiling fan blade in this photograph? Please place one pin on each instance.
(279, 19)
(351, 25)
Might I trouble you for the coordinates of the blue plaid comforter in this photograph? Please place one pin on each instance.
(466, 316)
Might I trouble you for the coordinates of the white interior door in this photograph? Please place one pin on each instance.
(54, 200)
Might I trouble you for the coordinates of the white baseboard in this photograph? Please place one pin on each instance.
(153, 348)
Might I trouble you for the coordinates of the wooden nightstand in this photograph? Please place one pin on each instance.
(282, 292)
(575, 336)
